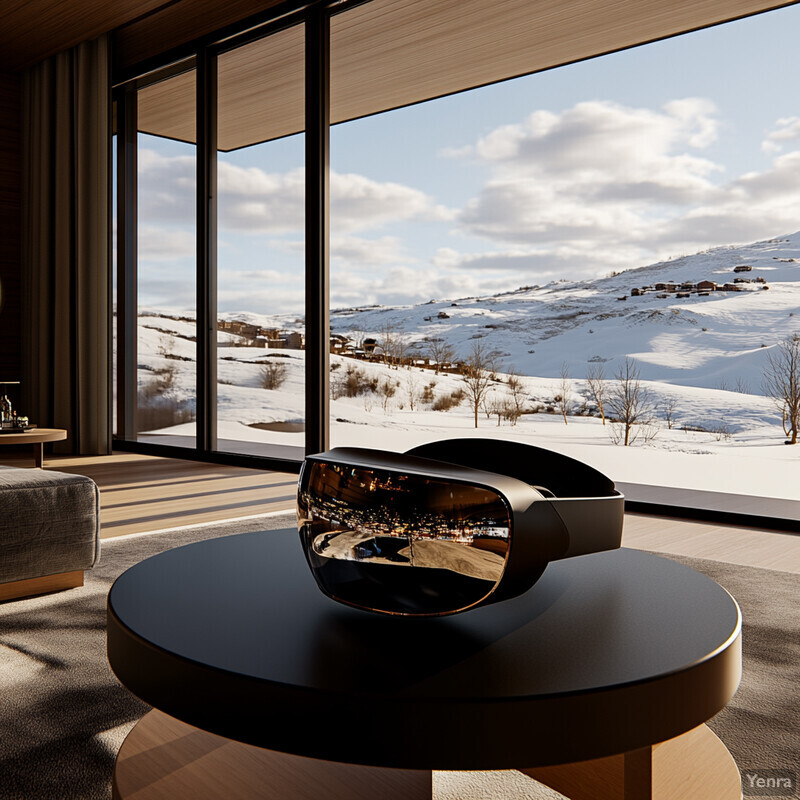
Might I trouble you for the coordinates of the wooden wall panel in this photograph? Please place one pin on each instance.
(10, 227)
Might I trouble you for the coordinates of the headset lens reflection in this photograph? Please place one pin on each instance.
(401, 543)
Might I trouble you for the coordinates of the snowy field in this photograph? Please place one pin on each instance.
(701, 358)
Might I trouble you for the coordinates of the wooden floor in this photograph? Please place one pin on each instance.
(143, 493)
(746, 546)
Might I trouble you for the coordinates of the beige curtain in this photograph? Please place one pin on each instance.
(66, 246)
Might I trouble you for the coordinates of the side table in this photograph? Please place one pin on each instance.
(614, 660)
(37, 437)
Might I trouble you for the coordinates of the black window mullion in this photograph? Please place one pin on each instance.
(127, 218)
(206, 251)
(317, 139)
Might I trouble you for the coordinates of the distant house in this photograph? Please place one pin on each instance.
(624, 297)
(662, 296)
(294, 340)
(339, 343)
(760, 279)
(636, 292)
(683, 294)
(730, 287)
(742, 268)
(741, 280)
(666, 287)
(443, 315)
(706, 286)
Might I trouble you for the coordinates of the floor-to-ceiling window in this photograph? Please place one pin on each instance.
(166, 350)
(512, 260)
(261, 247)
(602, 258)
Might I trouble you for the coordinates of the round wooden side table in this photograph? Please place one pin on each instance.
(597, 681)
(37, 437)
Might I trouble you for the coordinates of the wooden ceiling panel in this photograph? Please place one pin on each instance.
(262, 90)
(260, 95)
(389, 53)
(167, 108)
(35, 29)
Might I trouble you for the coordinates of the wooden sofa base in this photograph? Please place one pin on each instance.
(47, 583)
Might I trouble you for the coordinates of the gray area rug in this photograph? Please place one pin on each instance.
(63, 715)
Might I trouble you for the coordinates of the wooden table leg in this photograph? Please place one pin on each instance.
(694, 766)
(38, 455)
(164, 759)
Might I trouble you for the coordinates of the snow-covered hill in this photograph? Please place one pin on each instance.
(712, 341)
(702, 359)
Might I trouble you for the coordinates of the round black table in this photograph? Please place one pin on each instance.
(610, 653)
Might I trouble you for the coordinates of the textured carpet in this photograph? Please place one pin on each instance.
(63, 715)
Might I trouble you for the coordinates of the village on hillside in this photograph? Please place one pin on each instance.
(703, 288)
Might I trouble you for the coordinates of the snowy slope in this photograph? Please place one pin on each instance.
(712, 341)
(704, 356)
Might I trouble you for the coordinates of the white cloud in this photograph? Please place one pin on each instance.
(406, 285)
(254, 201)
(165, 244)
(788, 129)
(603, 186)
(353, 250)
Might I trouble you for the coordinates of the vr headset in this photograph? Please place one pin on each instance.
(448, 526)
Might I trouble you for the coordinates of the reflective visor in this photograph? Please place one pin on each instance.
(401, 543)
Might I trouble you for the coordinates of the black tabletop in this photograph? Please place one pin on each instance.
(606, 653)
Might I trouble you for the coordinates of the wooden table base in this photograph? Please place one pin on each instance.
(164, 759)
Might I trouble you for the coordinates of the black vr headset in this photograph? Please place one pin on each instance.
(450, 525)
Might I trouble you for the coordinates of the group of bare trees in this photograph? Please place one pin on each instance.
(622, 399)
(625, 401)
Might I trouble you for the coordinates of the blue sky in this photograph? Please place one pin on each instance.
(612, 163)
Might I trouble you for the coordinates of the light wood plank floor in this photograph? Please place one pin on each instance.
(143, 493)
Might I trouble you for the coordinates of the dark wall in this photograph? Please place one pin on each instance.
(10, 227)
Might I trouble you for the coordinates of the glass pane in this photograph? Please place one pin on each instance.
(261, 248)
(598, 259)
(166, 241)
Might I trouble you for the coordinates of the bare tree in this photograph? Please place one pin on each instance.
(670, 407)
(439, 351)
(273, 374)
(387, 389)
(357, 335)
(629, 402)
(394, 343)
(412, 389)
(478, 369)
(563, 401)
(502, 408)
(516, 389)
(782, 383)
(598, 388)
